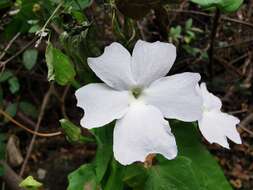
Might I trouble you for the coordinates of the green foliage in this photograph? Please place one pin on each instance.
(194, 168)
(83, 178)
(79, 44)
(135, 176)
(223, 5)
(92, 174)
(186, 36)
(175, 33)
(19, 21)
(5, 3)
(30, 183)
(73, 133)
(176, 174)
(114, 180)
(30, 58)
(59, 66)
(203, 163)
(103, 157)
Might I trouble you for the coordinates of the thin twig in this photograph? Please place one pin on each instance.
(40, 117)
(212, 40)
(62, 100)
(26, 119)
(228, 66)
(247, 120)
(9, 45)
(141, 29)
(238, 111)
(246, 129)
(7, 116)
(3, 63)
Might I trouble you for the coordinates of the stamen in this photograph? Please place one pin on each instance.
(136, 92)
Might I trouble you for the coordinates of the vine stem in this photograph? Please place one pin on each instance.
(212, 40)
(7, 116)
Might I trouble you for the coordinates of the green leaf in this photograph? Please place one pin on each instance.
(205, 167)
(223, 5)
(231, 5)
(28, 109)
(19, 21)
(30, 183)
(191, 50)
(104, 151)
(11, 109)
(73, 132)
(30, 58)
(5, 3)
(91, 174)
(102, 160)
(115, 180)
(79, 16)
(172, 174)
(5, 75)
(175, 32)
(34, 28)
(83, 178)
(13, 85)
(188, 24)
(59, 66)
(135, 176)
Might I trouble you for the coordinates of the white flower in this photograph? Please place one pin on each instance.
(215, 125)
(137, 94)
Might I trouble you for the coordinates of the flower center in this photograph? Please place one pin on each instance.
(136, 92)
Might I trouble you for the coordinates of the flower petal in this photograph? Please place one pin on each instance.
(151, 61)
(210, 101)
(113, 67)
(176, 96)
(140, 132)
(101, 104)
(216, 127)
